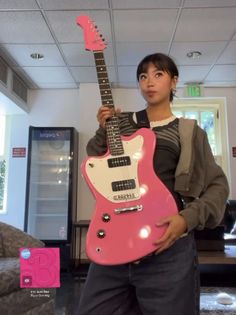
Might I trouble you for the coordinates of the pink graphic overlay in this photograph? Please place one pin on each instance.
(39, 268)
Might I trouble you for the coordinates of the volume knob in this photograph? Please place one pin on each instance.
(101, 234)
(106, 217)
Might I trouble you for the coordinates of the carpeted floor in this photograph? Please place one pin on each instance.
(209, 304)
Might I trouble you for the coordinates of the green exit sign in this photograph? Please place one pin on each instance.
(194, 90)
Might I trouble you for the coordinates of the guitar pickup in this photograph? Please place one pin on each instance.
(119, 161)
(123, 185)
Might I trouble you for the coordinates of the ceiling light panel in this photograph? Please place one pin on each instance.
(222, 71)
(140, 4)
(73, 4)
(206, 25)
(208, 3)
(16, 4)
(24, 27)
(127, 74)
(229, 54)
(49, 74)
(193, 73)
(129, 25)
(125, 51)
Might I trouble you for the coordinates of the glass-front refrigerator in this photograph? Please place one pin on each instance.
(51, 191)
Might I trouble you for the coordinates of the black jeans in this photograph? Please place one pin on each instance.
(163, 284)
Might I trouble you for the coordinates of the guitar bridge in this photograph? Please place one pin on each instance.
(128, 209)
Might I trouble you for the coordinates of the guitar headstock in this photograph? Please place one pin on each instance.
(92, 38)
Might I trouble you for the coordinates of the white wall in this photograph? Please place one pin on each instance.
(16, 184)
(54, 108)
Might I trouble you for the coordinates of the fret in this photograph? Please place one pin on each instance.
(101, 65)
(116, 139)
(106, 98)
(115, 148)
(106, 92)
(114, 122)
(108, 103)
(100, 62)
(103, 82)
(103, 87)
(107, 89)
(99, 54)
(102, 75)
(114, 145)
(101, 69)
(106, 95)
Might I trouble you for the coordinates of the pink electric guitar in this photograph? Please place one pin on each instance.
(130, 198)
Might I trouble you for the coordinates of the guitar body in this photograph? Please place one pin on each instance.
(130, 200)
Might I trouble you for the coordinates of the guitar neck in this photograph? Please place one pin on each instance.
(103, 80)
(112, 125)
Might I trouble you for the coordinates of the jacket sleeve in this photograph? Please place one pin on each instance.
(207, 210)
(98, 144)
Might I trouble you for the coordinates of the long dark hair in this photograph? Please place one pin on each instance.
(163, 63)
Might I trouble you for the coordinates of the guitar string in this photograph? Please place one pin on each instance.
(104, 80)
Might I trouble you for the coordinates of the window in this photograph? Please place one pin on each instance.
(2, 163)
(207, 120)
(210, 115)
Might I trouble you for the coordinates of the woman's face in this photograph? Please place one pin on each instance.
(156, 85)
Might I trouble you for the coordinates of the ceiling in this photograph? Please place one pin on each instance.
(132, 29)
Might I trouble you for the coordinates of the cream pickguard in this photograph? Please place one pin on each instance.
(97, 168)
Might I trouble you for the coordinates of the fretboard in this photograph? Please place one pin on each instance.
(112, 125)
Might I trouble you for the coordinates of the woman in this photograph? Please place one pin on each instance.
(168, 280)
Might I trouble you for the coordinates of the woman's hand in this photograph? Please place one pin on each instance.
(177, 226)
(104, 113)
